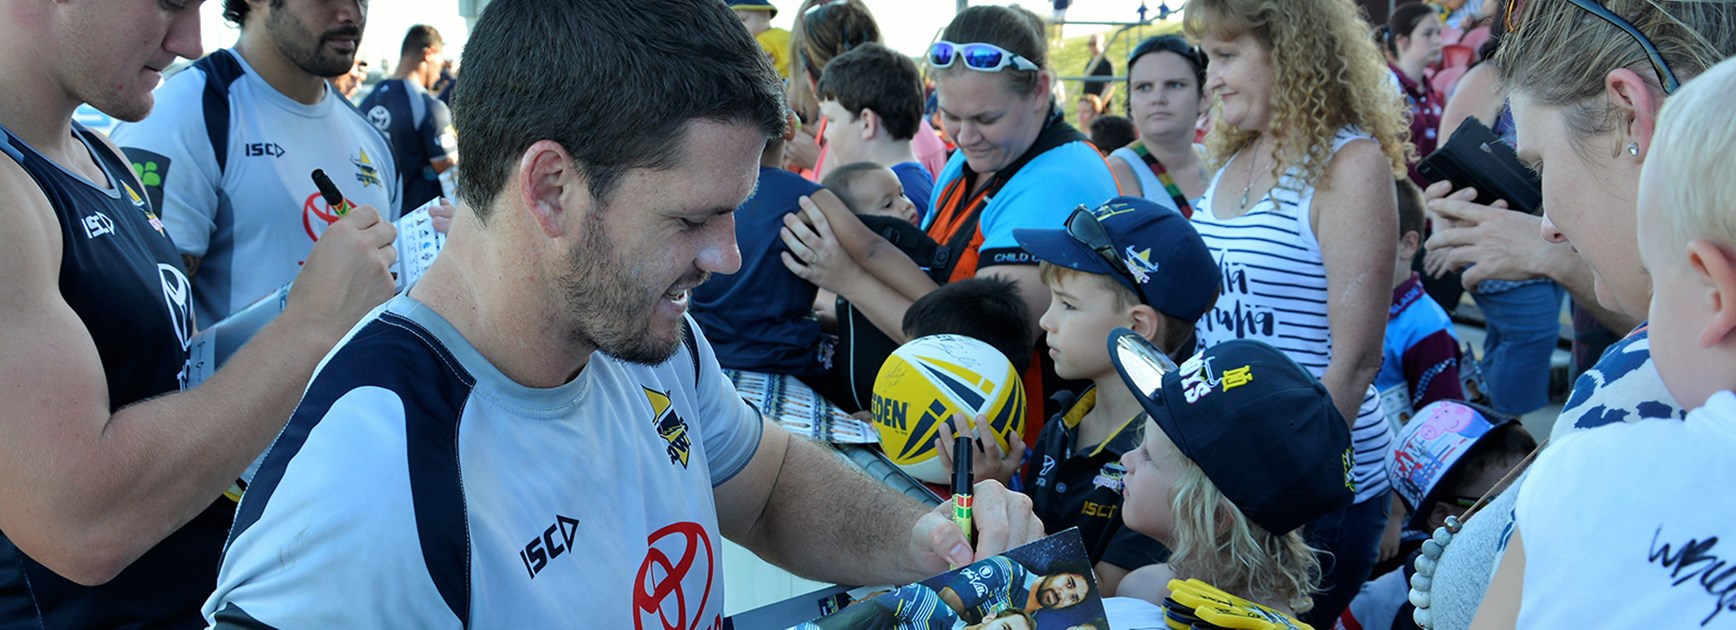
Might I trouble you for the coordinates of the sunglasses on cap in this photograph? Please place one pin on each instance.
(1084, 228)
(977, 56)
(1591, 6)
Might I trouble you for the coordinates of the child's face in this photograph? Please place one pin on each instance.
(1682, 304)
(843, 133)
(1081, 314)
(1149, 486)
(879, 193)
(756, 21)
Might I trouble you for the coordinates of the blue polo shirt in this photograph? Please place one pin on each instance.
(760, 318)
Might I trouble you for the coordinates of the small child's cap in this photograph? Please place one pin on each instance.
(1262, 428)
(753, 5)
(1158, 254)
(1431, 445)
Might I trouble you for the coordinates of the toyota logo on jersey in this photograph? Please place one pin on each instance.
(673, 589)
(317, 215)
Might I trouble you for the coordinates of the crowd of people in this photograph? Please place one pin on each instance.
(541, 431)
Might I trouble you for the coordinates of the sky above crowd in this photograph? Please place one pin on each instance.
(907, 25)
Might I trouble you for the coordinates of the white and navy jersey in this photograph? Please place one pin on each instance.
(231, 176)
(1274, 290)
(121, 276)
(420, 128)
(416, 486)
(993, 585)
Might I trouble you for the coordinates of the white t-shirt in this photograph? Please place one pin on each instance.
(1622, 525)
(416, 486)
(1274, 291)
(253, 219)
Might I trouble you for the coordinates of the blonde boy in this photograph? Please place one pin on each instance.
(1632, 525)
(1128, 263)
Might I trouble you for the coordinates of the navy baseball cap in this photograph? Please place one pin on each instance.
(1262, 428)
(1150, 249)
(754, 5)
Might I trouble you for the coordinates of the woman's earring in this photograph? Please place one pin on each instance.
(1633, 149)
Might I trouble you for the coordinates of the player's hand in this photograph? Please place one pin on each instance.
(1002, 518)
(989, 461)
(1488, 242)
(348, 273)
(814, 252)
(441, 214)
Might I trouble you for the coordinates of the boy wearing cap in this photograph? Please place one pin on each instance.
(1447, 457)
(1242, 446)
(1128, 263)
(757, 16)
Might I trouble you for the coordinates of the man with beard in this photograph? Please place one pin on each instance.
(227, 154)
(1000, 584)
(536, 435)
(108, 475)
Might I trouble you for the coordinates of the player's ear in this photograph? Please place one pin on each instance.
(548, 180)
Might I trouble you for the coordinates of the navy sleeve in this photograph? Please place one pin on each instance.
(436, 132)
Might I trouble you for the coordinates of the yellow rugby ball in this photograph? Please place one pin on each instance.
(929, 379)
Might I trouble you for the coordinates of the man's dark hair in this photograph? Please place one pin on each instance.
(986, 309)
(1076, 567)
(1109, 133)
(419, 38)
(557, 70)
(875, 77)
(235, 11)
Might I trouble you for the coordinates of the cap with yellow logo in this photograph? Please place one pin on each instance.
(1262, 428)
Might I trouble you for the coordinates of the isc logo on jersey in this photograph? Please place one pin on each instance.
(669, 426)
(929, 379)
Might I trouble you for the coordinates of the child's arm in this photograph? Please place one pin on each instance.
(874, 254)
(816, 256)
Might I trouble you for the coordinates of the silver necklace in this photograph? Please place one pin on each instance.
(1252, 168)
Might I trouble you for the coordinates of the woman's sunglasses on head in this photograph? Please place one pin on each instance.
(1514, 13)
(977, 56)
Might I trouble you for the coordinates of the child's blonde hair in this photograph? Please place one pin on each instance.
(1216, 543)
(1695, 145)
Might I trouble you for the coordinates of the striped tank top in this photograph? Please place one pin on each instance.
(1274, 290)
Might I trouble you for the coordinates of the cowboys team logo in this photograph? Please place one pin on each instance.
(133, 195)
(1139, 264)
(670, 426)
(380, 117)
(365, 171)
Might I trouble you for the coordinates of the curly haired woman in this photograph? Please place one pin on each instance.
(1309, 137)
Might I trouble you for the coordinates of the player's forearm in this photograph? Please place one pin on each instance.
(836, 524)
(163, 461)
